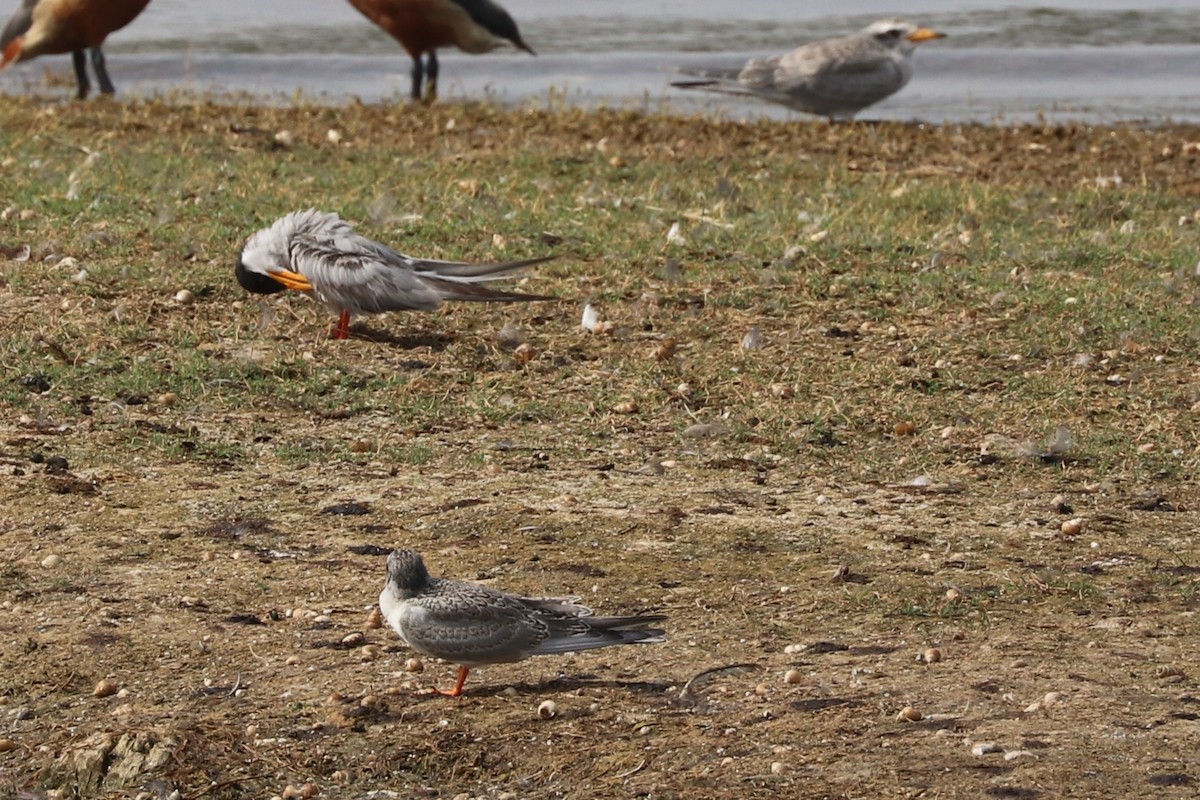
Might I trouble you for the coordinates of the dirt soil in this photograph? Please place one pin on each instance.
(182, 627)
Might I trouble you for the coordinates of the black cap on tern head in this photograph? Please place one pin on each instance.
(256, 282)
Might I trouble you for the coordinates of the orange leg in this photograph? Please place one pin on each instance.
(463, 672)
(343, 327)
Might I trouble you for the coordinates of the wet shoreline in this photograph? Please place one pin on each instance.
(981, 85)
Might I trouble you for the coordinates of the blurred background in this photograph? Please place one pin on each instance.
(1004, 61)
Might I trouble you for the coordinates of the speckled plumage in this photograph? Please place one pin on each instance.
(471, 625)
(835, 77)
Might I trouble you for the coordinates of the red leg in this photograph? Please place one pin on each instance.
(343, 326)
(457, 690)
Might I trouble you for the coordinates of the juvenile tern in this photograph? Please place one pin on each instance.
(470, 625)
(319, 253)
(835, 78)
(422, 26)
(41, 27)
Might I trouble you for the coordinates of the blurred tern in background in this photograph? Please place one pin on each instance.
(834, 78)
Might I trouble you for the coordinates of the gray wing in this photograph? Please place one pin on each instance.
(834, 76)
(574, 634)
(470, 624)
(847, 73)
(349, 271)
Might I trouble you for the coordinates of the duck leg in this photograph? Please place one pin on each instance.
(418, 76)
(79, 59)
(106, 84)
(431, 76)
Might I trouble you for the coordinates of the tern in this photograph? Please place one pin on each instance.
(319, 253)
(41, 27)
(422, 26)
(470, 625)
(835, 78)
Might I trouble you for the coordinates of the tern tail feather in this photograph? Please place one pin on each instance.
(476, 292)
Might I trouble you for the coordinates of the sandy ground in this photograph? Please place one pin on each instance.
(187, 626)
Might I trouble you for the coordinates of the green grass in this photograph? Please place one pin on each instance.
(996, 304)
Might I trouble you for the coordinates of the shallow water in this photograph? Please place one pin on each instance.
(1093, 60)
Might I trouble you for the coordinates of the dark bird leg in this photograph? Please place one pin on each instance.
(458, 687)
(106, 86)
(342, 331)
(81, 77)
(418, 75)
(431, 76)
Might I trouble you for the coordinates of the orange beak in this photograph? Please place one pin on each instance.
(293, 280)
(924, 35)
(13, 51)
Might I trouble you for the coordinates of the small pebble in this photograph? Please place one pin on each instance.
(7, 744)
(285, 139)
(105, 688)
(984, 748)
(51, 561)
(369, 652)
(778, 768)
(292, 661)
(1012, 755)
(909, 714)
(547, 710)
(333, 136)
(353, 639)
(626, 407)
(953, 595)
(931, 655)
(1072, 527)
(185, 297)
(166, 399)
(792, 676)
